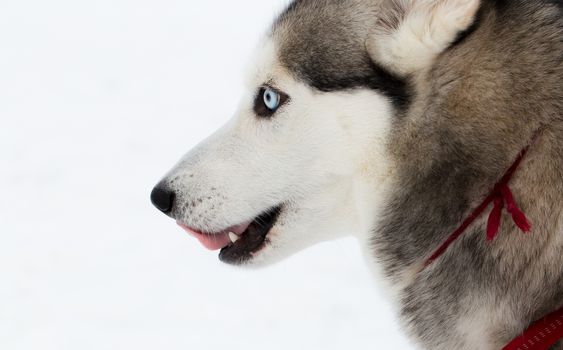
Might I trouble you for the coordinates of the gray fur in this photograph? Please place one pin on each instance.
(329, 52)
(464, 123)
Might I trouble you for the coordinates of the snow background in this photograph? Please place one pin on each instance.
(98, 100)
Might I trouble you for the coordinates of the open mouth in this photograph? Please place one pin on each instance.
(239, 243)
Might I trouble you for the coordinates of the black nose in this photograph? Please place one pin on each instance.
(162, 199)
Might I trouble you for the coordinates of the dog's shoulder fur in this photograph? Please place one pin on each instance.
(474, 111)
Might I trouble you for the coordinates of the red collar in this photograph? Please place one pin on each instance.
(541, 335)
(547, 331)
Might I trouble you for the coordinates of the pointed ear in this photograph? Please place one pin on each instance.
(411, 33)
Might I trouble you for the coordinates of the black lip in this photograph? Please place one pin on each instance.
(252, 240)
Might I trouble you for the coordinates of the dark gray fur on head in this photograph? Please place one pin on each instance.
(324, 44)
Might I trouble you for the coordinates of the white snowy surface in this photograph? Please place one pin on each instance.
(98, 99)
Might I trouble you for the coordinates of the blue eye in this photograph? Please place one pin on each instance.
(271, 99)
(268, 100)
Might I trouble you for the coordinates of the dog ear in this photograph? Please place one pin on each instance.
(411, 33)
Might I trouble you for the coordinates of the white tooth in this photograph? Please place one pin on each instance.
(233, 237)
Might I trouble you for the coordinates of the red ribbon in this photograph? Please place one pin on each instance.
(502, 197)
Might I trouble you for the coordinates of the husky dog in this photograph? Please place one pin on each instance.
(392, 120)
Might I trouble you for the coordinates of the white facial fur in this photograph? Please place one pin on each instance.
(322, 155)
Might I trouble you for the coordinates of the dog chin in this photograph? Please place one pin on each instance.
(282, 243)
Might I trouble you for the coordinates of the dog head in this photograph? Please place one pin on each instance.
(306, 157)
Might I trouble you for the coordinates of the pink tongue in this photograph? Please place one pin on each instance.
(215, 242)
(219, 240)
